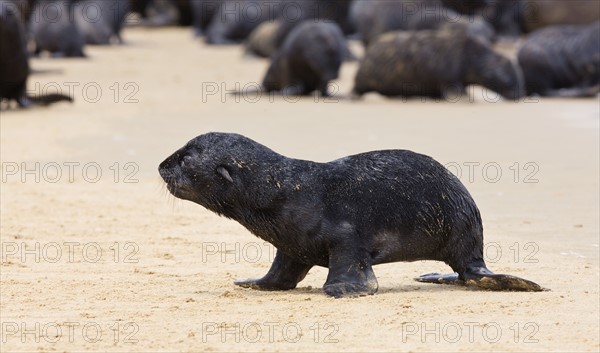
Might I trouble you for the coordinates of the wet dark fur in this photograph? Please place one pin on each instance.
(310, 57)
(432, 63)
(347, 215)
(562, 61)
(54, 31)
(14, 65)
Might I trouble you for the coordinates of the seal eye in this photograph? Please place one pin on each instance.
(186, 161)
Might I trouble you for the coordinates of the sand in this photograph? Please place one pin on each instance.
(111, 262)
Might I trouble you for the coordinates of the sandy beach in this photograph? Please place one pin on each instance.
(97, 256)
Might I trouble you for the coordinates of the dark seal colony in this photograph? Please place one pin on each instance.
(436, 63)
(347, 215)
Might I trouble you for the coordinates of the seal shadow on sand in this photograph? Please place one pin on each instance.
(317, 291)
(409, 288)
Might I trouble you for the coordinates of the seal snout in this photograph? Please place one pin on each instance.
(171, 180)
(174, 177)
(167, 172)
(167, 176)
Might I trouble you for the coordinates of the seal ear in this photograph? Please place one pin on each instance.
(225, 174)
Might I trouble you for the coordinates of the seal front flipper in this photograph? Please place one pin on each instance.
(347, 280)
(285, 274)
(350, 273)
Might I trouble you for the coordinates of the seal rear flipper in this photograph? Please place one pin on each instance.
(499, 282)
(48, 99)
(489, 281)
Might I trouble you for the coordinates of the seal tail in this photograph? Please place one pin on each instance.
(479, 276)
(48, 99)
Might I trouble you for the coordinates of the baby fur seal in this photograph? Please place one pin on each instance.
(562, 61)
(432, 63)
(347, 215)
(309, 58)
